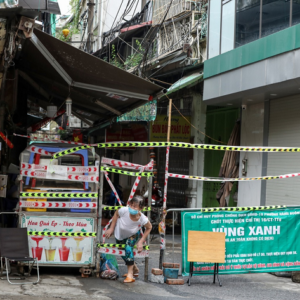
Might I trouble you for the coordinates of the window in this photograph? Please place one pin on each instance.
(275, 16)
(296, 13)
(247, 21)
(233, 23)
(214, 28)
(227, 39)
(135, 44)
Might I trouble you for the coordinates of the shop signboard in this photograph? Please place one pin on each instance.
(60, 250)
(180, 129)
(256, 240)
(133, 133)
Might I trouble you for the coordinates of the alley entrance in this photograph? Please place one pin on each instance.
(219, 125)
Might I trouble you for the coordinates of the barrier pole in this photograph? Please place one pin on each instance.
(162, 224)
(99, 218)
(173, 233)
(149, 218)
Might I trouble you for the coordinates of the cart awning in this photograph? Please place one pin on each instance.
(98, 90)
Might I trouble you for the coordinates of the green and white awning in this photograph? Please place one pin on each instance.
(186, 81)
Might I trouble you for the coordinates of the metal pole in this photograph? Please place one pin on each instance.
(162, 225)
(91, 13)
(99, 229)
(173, 235)
(150, 183)
(100, 22)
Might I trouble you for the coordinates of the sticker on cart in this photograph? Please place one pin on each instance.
(57, 172)
(62, 250)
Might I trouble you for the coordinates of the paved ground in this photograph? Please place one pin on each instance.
(67, 284)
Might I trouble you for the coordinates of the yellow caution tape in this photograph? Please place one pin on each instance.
(117, 207)
(59, 234)
(180, 145)
(118, 171)
(199, 146)
(217, 209)
(284, 176)
(118, 246)
(70, 151)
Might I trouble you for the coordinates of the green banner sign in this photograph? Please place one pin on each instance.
(256, 241)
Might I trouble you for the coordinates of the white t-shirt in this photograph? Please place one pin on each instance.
(125, 227)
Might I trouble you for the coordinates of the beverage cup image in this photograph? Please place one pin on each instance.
(64, 253)
(77, 254)
(37, 252)
(50, 253)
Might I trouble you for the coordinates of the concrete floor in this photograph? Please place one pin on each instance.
(65, 283)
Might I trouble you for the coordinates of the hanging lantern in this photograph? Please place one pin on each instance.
(69, 106)
(66, 32)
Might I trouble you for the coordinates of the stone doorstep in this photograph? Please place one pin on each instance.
(296, 276)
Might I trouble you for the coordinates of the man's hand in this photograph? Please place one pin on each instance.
(139, 246)
(108, 233)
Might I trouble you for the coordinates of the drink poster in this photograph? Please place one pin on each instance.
(60, 250)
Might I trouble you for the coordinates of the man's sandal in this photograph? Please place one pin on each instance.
(129, 280)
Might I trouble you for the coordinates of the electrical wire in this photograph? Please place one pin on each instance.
(118, 49)
(192, 124)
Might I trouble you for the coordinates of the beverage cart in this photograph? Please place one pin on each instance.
(59, 195)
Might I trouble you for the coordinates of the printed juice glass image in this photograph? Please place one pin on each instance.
(77, 253)
(64, 251)
(50, 253)
(37, 251)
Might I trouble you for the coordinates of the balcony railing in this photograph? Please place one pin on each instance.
(178, 7)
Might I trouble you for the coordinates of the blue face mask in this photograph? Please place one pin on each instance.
(133, 211)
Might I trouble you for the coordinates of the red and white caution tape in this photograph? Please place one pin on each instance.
(149, 166)
(104, 229)
(46, 175)
(38, 150)
(113, 188)
(6, 140)
(120, 163)
(53, 168)
(125, 164)
(122, 252)
(46, 204)
(86, 178)
(36, 174)
(135, 185)
(33, 167)
(234, 179)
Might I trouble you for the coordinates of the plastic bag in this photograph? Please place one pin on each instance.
(109, 267)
